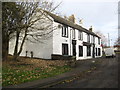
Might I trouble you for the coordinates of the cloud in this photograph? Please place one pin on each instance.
(102, 15)
(78, 1)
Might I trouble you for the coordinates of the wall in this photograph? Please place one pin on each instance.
(12, 46)
(52, 43)
(58, 39)
(41, 47)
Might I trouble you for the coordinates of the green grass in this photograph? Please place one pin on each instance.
(0, 76)
(12, 76)
(117, 52)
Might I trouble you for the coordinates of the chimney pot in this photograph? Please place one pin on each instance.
(91, 28)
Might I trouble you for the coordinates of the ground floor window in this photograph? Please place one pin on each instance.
(88, 50)
(64, 49)
(99, 52)
(80, 51)
(96, 52)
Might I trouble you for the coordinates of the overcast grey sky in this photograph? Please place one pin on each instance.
(101, 14)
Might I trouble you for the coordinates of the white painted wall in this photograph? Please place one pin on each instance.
(58, 40)
(12, 46)
(53, 44)
(42, 49)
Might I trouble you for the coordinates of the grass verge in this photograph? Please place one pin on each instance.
(13, 74)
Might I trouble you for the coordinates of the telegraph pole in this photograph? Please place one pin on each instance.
(108, 40)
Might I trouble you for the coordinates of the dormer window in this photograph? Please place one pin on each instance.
(65, 31)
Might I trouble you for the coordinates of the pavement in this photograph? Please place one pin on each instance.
(81, 67)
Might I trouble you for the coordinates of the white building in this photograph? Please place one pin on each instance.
(68, 39)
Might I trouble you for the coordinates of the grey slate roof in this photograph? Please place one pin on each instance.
(69, 23)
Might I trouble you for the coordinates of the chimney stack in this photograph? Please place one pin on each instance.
(91, 28)
(65, 17)
(72, 18)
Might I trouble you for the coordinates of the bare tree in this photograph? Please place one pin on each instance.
(117, 41)
(9, 25)
(34, 14)
(103, 38)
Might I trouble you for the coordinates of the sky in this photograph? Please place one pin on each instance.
(101, 14)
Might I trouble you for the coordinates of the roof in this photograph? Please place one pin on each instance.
(116, 45)
(70, 24)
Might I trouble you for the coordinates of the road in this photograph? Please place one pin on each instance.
(105, 76)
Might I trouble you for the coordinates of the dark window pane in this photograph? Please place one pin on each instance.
(96, 52)
(98, 40)
(80, 36)
(64, 31)
(80, 51)
(99, 52)
(93, 39)
(64, 49)
(73, 33)
(88, 38)
(88, 51)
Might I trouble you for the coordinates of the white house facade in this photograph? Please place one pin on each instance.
(68, 39)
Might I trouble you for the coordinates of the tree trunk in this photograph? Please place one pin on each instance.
(21, 47)
(16, 46)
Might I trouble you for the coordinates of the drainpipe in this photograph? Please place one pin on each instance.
(70, 42)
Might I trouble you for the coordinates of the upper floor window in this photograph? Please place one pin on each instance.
(80, 35)
(73, 33)
(65, 31)
(98, 40)
(93, 39)
(88, 37)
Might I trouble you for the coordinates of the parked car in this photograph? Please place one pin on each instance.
(109, 52)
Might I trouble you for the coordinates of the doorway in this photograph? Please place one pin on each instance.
(74, 47)
(93, 54)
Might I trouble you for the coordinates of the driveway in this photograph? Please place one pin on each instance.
(105, 76)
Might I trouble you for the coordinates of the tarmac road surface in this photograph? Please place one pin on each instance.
(105, 76)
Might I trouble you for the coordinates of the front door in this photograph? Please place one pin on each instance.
(74, 47)
(93, 53)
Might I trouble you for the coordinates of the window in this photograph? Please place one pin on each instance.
(80, 35)
(99, 52)
(99, 41)
(88, 51)
(64, 49)
(93, 39)
(80, 51)
(88, 38)
(96, 52)
(64, 31)
(73, 33)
